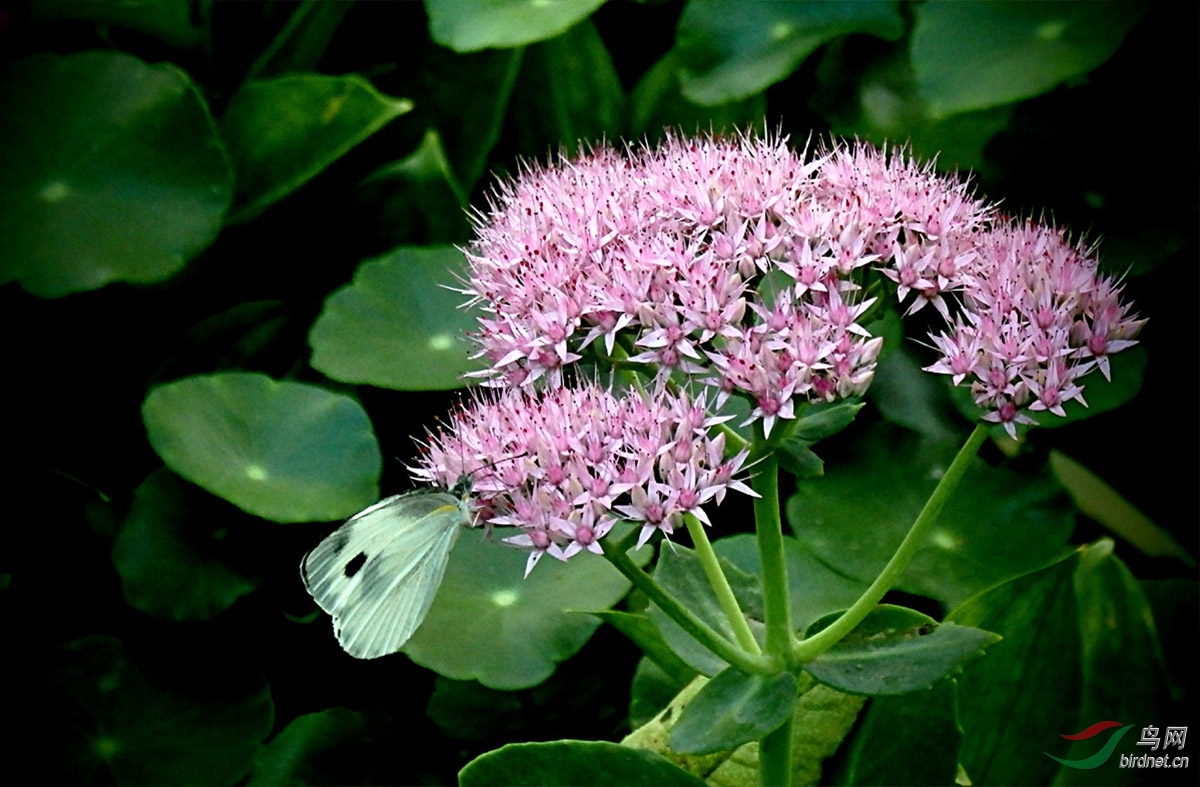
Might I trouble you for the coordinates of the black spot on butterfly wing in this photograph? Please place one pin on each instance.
(355, 564)
(339, 538)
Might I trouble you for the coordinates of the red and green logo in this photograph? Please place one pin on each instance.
(1100, 757)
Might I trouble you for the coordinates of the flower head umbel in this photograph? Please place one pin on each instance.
(710, 258)
(564, 465)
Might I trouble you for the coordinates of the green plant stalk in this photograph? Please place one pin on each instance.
(750, 663)
(720, 584)
(769, 529)
(775, 756)
(828, 637)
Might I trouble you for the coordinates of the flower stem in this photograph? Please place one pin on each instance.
(830, 636)
(751, 663)
(775, 756)
(769, 528)
(720, 584)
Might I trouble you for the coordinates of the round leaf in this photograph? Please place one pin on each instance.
(120, 175)
(974, 55)
(283, 131)
(732, 49)
(573, 762)
(734, 708)
(122, 727)
(397, 325)
(490, 624)
(300, 754)
(499, 24)
(285, 451)
(166, 555)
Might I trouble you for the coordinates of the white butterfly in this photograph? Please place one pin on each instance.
(378, 573)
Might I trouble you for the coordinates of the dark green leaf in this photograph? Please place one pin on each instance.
(170, 21)
(285, 451)
(998, 524)
(651, 691)
(895, 651)
(908, 396)
(1124, 675)
(820, 422)
(680, 574)
(283, 131)
(467, 711)
(300, 754)
(1102, 503)
(563, 763)
(975, 55)
(815, 589)
(642, 631)
(658, 103)
(733, 49)
(303, 40)
(530, 624)
(398, 325)
(122, 727)
(423, 202)
(733, 708)
(120, 176)
(568, 91)
(905, 739)
(797, 458)
(485, 24)
(1031, 676)
(167, 554)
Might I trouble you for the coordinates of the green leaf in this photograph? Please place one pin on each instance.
(168, 554)
(999, 523)
(905, 739)
(896, 650)
(530, 624)
(300, 753)
(398, 325)
(467, 711)
(814, 588)
(568, 91)
(657, 103)
(284, 451)
(797, 458)
(876, 99)
(303, 40)
(283, 131)
(652, 690)
(679, 573)
(733, 49)
(120, 726)
(908, 396)
(500, 24)
(733, 708)
(1102, 503)
(822, 421)
(1124, 674)
(422, 201)
(642, 631)
(120, 177)
(1032, 676)
(970, 56)
(170, 21)
(563, 763)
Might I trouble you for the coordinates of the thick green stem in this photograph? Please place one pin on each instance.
(706, 635)
(830, 636)
(769, 528)
(775, 757)
(720, 585)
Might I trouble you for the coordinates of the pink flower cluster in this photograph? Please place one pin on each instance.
(712, 259)
(738, 263)
(566, 464)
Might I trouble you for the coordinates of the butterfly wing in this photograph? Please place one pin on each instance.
(378, 573)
